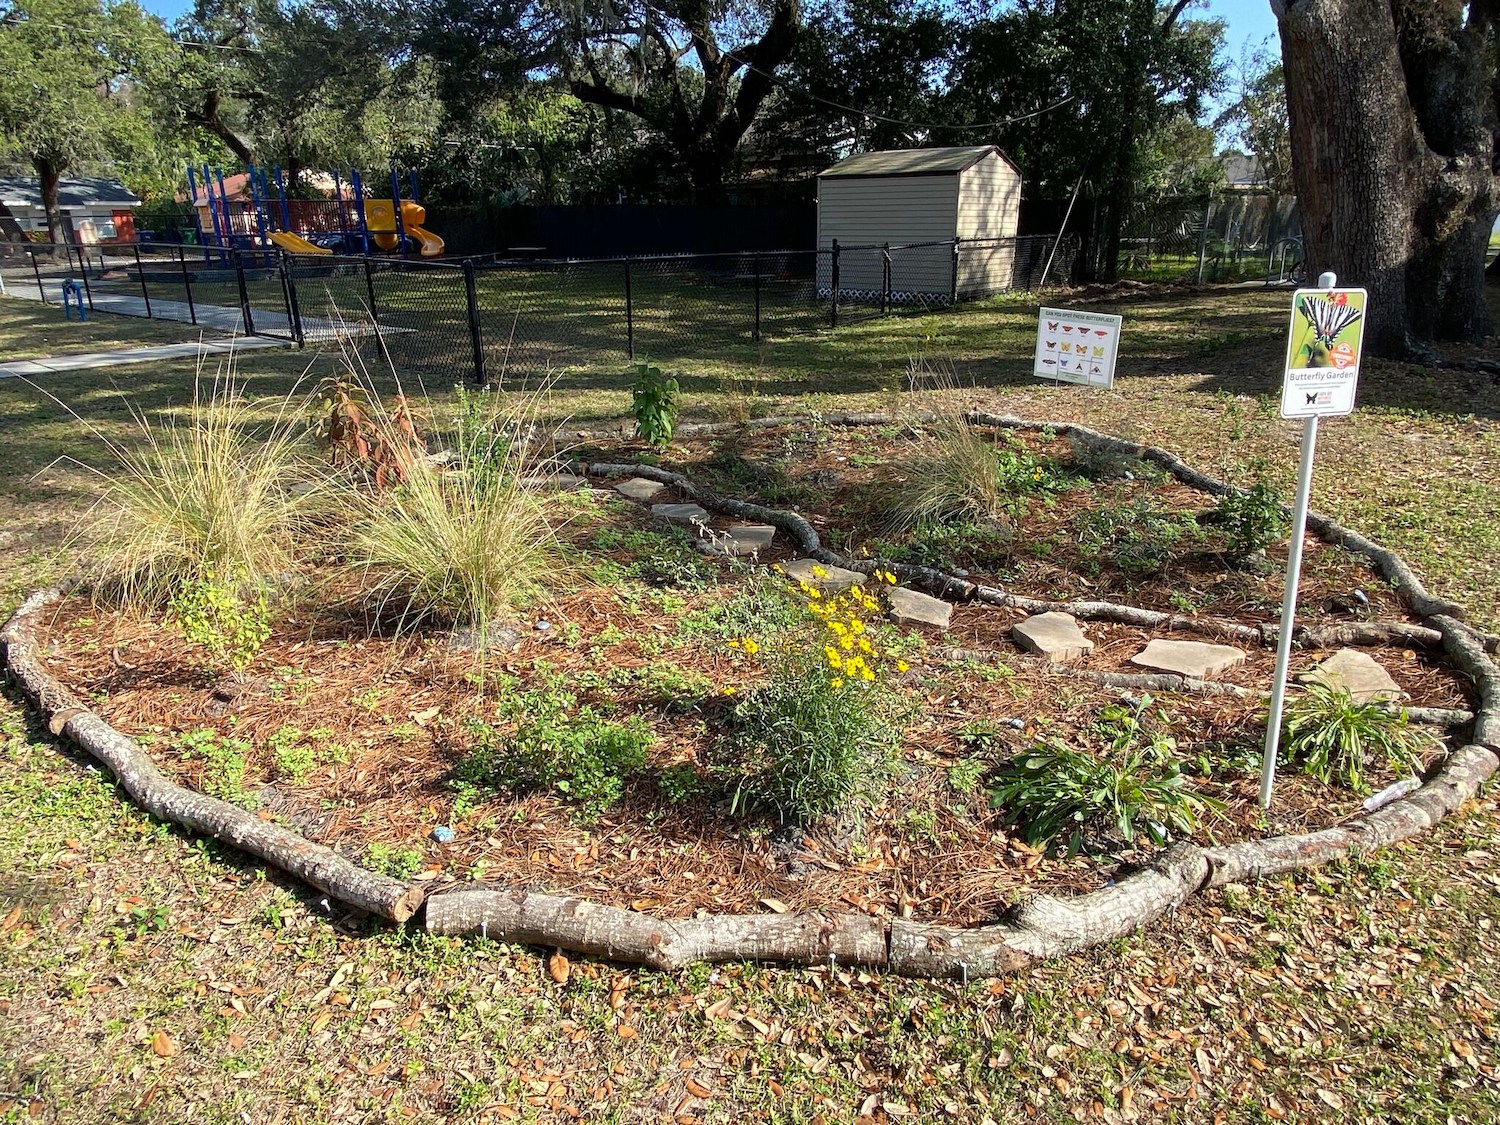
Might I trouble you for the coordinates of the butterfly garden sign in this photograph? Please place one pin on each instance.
(1322, 352)
(1077, 347)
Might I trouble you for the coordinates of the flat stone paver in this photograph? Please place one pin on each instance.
(1197, 660)
(639, 489)
(1358, 671)
(681, 513)
(912, 607)
(742, 541)
(1053, 635)
(821, 576)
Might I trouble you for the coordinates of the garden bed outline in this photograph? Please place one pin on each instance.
(1040, 927)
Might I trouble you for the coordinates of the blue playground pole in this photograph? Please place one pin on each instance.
(197, 218)
(260, 216)
(359, 209)
(338, 194)
(213, 215)
(396, 204)
(286, 212)
(224, 202)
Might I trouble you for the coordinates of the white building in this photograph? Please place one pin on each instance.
(96, 210)
(903, 197)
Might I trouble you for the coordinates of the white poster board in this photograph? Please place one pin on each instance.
(1077, 347)
(1323, 352)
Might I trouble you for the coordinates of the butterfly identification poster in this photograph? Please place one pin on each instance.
(1077, 347)
(1322, 352)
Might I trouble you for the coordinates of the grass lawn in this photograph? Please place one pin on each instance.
(148, 976)
(31, 330)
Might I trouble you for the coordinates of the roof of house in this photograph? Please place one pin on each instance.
(26, 191)
(1241, 169)
(915, 161)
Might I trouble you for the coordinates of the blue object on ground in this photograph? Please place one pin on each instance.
(443, 834)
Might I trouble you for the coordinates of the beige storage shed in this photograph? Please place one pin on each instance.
(920, 195)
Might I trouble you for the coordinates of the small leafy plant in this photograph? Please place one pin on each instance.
(398, 863)
(558, 746)
(365, 436)
(295, 758)
(224, 765)
(1137, 538)
(1134, 786)
(653, 404)
(1252, 519)
(1334, 738)
(217, 616)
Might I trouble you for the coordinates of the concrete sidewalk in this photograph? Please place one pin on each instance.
(83, 361)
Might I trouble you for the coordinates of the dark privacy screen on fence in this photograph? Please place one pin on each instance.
(484, 319)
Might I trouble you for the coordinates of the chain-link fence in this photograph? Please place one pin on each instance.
(487, 319)
(1230, 236)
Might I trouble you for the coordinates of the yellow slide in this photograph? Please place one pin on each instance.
(296, 245)
(380, 221)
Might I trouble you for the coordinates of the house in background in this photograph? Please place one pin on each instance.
(922, 195)
(94, 210)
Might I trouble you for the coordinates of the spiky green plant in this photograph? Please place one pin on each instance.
(1335, 738)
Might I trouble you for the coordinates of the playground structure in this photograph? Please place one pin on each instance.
(352, 222)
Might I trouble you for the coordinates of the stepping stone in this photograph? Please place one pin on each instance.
(1053, 635)
(738, 542)
(681, 513)
(911, 607)
(821, 576)
(1348, 668)
(639, 489)
(1195, 659)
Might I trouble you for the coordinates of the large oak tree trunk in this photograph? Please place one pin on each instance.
(1392, 112)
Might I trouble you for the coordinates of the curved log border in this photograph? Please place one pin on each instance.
(1042, 926)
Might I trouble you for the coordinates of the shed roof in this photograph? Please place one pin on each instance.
(26, 191)
(915, 161)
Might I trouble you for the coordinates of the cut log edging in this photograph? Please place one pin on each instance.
(1040, 927)
(153, 791)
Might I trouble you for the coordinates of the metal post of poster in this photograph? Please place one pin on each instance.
(1322, 372)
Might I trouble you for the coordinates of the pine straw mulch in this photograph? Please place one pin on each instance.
(399, 708)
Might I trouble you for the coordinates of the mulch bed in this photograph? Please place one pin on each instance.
(398, 708)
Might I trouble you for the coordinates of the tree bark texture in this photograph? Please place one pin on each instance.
(48, 176)
(132, 767)
(1393, 128)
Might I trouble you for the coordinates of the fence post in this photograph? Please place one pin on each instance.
(141, 273)
(885, 279)
(187, 285)
(953, 291)
(36, 269)
(756, 335)
(629, 315)
(833, 298)
(476, 338)
(239, 273)
(289, 294)
(370, 288)
(1208, 210)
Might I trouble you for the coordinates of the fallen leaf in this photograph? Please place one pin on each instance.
(162, 1045)
(560, 967)
(775, 906)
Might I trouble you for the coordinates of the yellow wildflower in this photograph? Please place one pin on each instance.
(902, 666)
(856, 626)
(865, 646)
(729, 690)
(846, 642)
(867, 674)
(751, 646)
(836, 682)
(819, 572)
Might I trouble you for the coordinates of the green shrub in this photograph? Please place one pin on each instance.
(1334, 738)
(1253, 519)
(557, 746)
(1135, 538)
(220, 618)
(653, 404)
(949, 544)
(1136, 785)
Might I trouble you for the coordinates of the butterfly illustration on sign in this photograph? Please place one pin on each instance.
(1052, 326)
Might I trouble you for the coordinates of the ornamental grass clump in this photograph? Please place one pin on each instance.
(813, 738)
(466, 541)
(220, 490)
(966, 474)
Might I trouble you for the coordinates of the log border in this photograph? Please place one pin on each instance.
(1038, 928)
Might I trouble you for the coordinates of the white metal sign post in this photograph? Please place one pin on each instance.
(1322, 372)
